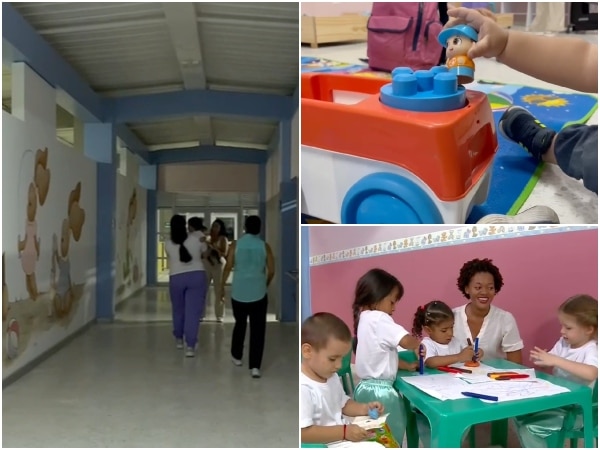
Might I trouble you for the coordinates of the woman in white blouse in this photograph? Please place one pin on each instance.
(479, 281)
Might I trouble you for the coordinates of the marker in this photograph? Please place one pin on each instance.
(449, 369)
(374, 413)
(421, 362)
(481, 396)
(511, 377)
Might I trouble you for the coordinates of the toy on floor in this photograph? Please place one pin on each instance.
(458, 40)
(417, 150)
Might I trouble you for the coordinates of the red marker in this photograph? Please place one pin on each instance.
(511, 377)
(449, 369)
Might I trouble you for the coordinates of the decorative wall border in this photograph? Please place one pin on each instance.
(454, 236)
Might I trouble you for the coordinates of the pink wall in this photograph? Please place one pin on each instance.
(328, 238)
(335, 9)
(539, 273)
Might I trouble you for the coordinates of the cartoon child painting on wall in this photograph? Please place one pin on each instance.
(29, 246)
(71, 226)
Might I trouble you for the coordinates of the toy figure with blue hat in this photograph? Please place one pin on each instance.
(458, 40)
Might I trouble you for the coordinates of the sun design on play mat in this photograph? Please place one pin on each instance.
(545, 100)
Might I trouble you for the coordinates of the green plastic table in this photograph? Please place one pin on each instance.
(450, 418)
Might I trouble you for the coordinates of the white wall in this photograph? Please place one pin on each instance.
(32, 327)
(130, 245)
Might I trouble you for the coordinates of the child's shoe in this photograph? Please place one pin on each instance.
(179, 343)
(255, 373)
(519, 125)
(533, 215)
(190, 352)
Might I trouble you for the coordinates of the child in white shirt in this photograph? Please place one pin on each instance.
(441, 347)
(574, 357)
(378, 337)
(326, 339)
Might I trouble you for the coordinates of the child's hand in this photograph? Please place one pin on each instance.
(355, 433)
(374, 405)
(492, 38)
(542, 358)
(411, 367)
(466, 354)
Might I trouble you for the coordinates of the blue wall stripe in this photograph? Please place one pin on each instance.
(209, 153)
(170, 105)
(305, 308)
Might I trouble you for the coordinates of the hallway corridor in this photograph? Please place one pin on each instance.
(126, 385)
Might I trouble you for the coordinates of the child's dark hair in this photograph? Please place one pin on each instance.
(584, 308)
(470, 268)
(320, 327)
(371, 288)
(432, 313)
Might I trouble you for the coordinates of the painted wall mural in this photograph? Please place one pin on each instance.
(45, 305)
(48, 230)
(130, 245)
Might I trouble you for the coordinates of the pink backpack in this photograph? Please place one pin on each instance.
(403, 34)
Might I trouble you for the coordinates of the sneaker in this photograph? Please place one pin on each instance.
(179, 343)
(190, 352)
(255, 373)
(220, 319)
(533, 215)
(519, 125)
(236, 362)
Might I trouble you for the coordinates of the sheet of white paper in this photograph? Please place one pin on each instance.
(367, 423)
(483, 378)
(449, 387)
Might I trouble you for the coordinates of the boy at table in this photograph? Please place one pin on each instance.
(326, 339)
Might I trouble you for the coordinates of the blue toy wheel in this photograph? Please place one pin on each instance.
(387, 198)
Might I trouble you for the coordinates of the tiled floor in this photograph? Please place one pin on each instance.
(126, 385)
(572, 202)
(153, 305)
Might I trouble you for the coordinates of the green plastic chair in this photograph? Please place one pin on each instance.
(557, 440)
(313, 445)
(345, 374)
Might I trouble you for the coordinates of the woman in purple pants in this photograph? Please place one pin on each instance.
(187, 283)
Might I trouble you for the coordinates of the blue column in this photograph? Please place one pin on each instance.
(148, 180)
(262, 197)
(100, 145)
(288, 198)
(305, 306)
(285, 150)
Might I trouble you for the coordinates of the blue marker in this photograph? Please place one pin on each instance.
(373, 413)
(421, 362)
(481, 396)
(476, 348)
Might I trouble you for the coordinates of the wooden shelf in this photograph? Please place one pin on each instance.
(325, 30)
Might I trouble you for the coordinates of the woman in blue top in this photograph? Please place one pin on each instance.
(254, 269)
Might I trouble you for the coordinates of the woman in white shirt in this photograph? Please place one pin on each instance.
(479, 281)
(187, 283)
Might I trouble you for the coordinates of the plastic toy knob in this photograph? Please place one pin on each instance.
(404, 84)
(424, 80)
(373, 413)
(445, 83)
